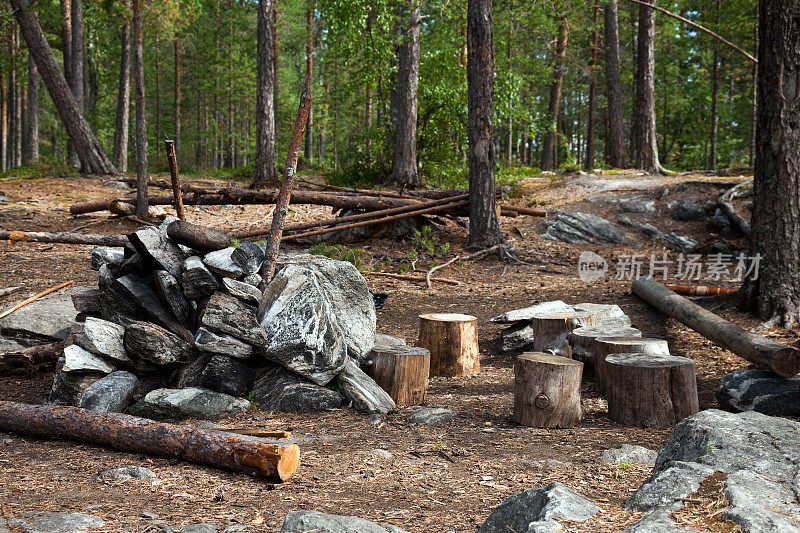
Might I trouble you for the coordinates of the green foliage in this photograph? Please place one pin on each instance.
(355, 256)
(45, 168)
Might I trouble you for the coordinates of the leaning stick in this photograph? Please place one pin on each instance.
(287, 184)
(176, 180)
(258, 432)
(420, 211)
(762, 352)
(35, 297)
(698, 27)
(273, 459)
(437, 267)
(63, 238)
(410, 278)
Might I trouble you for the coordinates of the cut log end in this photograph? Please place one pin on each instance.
(264, 460)
(452, 339)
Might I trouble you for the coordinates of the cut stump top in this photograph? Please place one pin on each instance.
(647, 360)
(448, 317)
(539, 357)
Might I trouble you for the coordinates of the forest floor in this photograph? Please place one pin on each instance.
(441, 478)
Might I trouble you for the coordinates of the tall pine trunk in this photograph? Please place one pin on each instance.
(645, 109)
(553, 110)
(308, 151)
(123, 100)
(590, 124)
(265, 166)
(78, 62)
(177, 116)
(616, 154)
(16, 85)
(158, 98)
(714, 133)
(404, 166)
(484, 228)
(141, 113)
(754, 107)
(66, 48)
(92, 158)
(32, 152)
(775, 294)
(3, 123)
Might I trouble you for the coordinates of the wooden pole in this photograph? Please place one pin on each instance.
(176, 180)
(273, 459)
(287, 184)
(63, 238)
(764, 353)
(35, 297)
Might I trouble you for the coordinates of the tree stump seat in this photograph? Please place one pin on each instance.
(547, 390)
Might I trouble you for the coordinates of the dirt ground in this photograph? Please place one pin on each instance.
(441, 478)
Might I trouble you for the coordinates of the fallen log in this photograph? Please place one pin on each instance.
(32, 358)
(763, 353)
(530, 211)
(35, 297)
(423, 210)
(200, 238)
(699, 290)
(273, 459)
(92, 239)
(735, 217)
(175, 177)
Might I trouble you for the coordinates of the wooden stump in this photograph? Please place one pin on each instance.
(402, 371)
(648, 390)
(582, 342)
(605, 346)
(550, 330)
(452, 339)
(547, 391)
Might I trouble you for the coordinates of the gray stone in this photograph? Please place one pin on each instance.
(538, 510)
(383, 454)
(629, 453)
(67, 387)
(282, 391)
(112, 256)
(225, 314)
(429, 416)
(49, 522)
(678, 242)
(681, 243)
(636, 204)
(659, 521)
(220, 262)
(582, 228)
(527, 313)
(605, 314)
(124, 473)
(168, 287)
(244, 291)
(191, 402)
(211, 342)
(145, 299)
(11, 345)
(249, 256)
(382, 340)
(110, 394)
(315, 315)
(760, 390)
(200, 528)
(361, 390)
(252, 279)
(153, 244)
(78, 360)
(749, 493)
(228, 375)
(189, 375)
(517, 337)
(688, 211)
(50, 318)
(155, 344)
(197, 279)
(102, 337)
(307, 521)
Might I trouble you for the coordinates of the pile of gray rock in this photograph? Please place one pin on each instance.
(175, 331)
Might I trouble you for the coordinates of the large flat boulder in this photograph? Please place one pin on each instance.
(582, 228)
(48, 318)
(316, 314)
(191, 402)
(110, 394)
(760, 390)
(307, 521)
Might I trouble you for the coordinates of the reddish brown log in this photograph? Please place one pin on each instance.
(64, 238)
(272, 459)
(699, 290)
(530, 211)
(31, 358)
(198, 237)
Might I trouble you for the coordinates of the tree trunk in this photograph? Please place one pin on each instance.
(754, 107)
(17, 102)
(547, 391)
(308, 151)
(616, 154)
(551, 136)
(588, 162)
(158, 98)
(32, 153)
(66, 48)
(404, 167)
(141, 114)
(265, 166)
(452, 340)
(3, 123)
(484, 228)
(93, 159)
(177, 117)
(402, 371)
(276, 71)
(775, 294)
(714, 134)
(78, 63)
(123, 100)
(645, 110)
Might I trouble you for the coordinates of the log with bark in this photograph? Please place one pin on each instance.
(402, 371)
(605, 346)
(201, 238)
(452, 340)
(763, 353)
(547, 391)
(273, 459)
(63, 238)
(32, 358)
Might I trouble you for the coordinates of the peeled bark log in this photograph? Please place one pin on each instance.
(402, 371)
(273, 459)
(763, 353)
(64, 238)
(547, 391)
(33, 357)
(452, 340)
(200, 238)
(649, 390)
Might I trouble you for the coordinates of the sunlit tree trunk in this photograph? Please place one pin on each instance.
(265, 165)
(553, 110)
(308, 151)
(405, 104)
(32, 152)
(590, 123)
(123, 100)
(645, 109)
(141, 114)
(177, 78)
